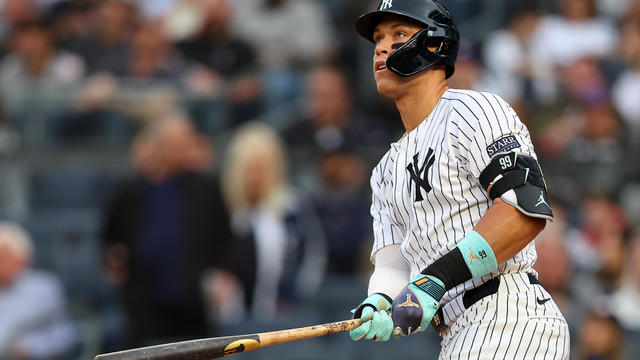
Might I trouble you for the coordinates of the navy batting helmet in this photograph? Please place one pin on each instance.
(440, 30)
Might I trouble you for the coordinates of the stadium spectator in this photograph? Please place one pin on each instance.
(626, 89)
(600, 337)
(469, 71)
(213, 45)
(15, 12)
(329, 119)
(151, 57)
(516, 66)
(283, 246)
(577, 32)
(627, 296)
(106, 49)
(583, 87)
(299, 35)
(276, 47)
(342, 197)
(70, 23)
(234, 70)
(596, 246)
(34, 323)
(599, 145)
(34, 58)
(162, 230)
(37, 80)
(625, 299)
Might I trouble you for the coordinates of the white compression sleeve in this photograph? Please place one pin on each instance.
(391, 272)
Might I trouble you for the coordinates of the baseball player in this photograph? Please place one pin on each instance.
(457, 201)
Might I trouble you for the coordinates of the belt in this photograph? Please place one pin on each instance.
(471, 297)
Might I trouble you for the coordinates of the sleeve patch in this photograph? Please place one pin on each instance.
(504, 144)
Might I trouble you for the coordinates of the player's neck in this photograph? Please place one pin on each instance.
(419, 101)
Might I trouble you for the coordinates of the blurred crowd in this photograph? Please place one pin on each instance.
(173, 169)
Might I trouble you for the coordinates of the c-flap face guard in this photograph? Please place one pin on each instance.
(413, 56)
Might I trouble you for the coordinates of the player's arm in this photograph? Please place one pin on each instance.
(391, 269)
(507, 230)
(388, 278)
(515, 183)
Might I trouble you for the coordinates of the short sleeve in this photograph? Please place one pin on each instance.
(482, 126)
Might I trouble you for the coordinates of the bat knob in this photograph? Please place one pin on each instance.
(397, 331)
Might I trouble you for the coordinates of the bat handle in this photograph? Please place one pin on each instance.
(282, 336)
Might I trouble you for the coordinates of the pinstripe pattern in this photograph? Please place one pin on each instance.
(458, 131)
(509, 325)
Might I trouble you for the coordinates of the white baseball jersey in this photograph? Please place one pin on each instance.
(426, 190)
(427, 196)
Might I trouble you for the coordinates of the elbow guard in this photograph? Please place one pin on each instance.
(518, 180)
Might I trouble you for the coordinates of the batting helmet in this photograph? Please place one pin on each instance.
(414, 56)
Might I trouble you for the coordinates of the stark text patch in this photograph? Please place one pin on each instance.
(504, 144)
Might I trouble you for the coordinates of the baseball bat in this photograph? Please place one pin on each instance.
(211, 348)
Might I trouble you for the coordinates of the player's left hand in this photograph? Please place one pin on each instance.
(416, 304)
(376, 321)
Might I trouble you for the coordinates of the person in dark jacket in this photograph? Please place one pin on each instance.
(162, 230)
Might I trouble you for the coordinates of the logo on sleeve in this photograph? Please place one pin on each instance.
(504, 144)
(541, 200)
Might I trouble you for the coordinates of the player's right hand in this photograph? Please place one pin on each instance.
(416, 305)
(376, 321)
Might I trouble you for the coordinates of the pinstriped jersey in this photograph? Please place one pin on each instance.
(426, 190)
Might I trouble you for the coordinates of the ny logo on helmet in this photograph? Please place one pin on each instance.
(385, 4)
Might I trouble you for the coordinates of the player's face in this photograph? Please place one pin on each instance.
(391, 30)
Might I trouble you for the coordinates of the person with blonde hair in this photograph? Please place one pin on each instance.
(276, 226)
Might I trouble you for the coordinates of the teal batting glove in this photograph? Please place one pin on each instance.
(416, 305)
(376, 321)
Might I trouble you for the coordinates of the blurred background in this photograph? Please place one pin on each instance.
(174, 169)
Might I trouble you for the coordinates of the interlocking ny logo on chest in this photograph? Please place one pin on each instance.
(420, 174)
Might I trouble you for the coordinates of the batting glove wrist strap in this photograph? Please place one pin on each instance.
(376, 321)
(416, 304)
(377, 301)
(434, 288)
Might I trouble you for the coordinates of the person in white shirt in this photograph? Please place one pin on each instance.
(34, 323)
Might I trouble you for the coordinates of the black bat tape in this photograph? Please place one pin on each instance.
(202, 349)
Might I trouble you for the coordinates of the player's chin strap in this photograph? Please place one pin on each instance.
(517, 179)
(414, 56)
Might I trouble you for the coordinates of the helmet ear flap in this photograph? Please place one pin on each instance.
(414, 56)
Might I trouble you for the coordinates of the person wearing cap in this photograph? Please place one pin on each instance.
(457, 201)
